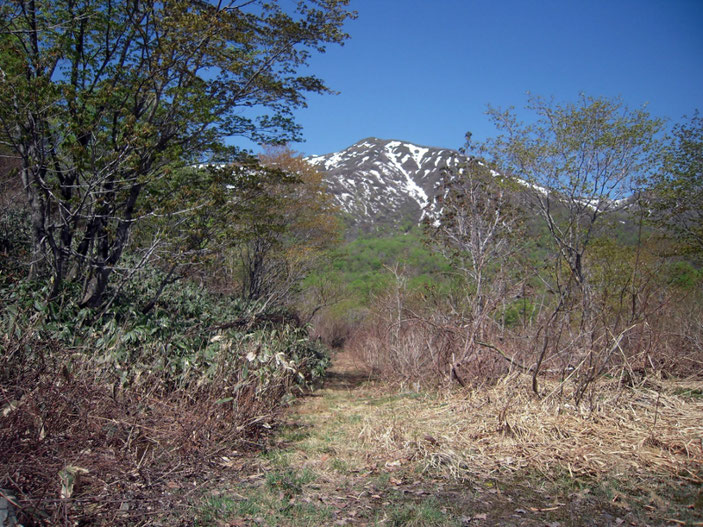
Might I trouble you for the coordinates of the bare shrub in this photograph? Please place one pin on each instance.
(335, 325)
(75, 448)
(127, 453)
(672, 341)
(404, 340)
(414, 338)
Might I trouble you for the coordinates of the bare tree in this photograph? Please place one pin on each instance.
(478, 229)
(578, 162)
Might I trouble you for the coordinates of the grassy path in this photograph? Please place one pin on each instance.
(358, 453)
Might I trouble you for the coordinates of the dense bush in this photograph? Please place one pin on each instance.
(193, 375)
(646, 313)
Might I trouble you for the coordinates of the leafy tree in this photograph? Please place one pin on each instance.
(101, 99)
(194, 217)
(255, 227)
(677, 201)
(285, 235)
(579, 162)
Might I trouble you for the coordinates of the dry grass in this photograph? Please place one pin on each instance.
(504, 428)
(378, 454)
(651, 431)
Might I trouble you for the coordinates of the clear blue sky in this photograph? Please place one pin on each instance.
(424, 71)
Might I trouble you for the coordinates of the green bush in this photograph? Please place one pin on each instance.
(189, 339)
(520, 311)
(683, 275)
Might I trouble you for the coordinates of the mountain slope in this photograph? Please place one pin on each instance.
(381, 183)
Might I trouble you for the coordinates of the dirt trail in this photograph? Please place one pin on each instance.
(341, 458)
(324, 439)
(345, 374)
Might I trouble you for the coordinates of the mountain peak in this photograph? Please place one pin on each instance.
(385, 182)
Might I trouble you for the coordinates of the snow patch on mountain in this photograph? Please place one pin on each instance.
(393, 182)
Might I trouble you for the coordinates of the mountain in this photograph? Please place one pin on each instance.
(380, 183)
(384, 185)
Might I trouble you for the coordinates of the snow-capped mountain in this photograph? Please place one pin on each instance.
(385, 182)
(379, 183)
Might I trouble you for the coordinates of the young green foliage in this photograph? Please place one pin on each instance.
(677, 201)
(579, 161)
(101, 99)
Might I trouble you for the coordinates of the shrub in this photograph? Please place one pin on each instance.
(124, 396)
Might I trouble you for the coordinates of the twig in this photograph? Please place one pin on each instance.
(10, 499)
(504, 355)
(656, 411)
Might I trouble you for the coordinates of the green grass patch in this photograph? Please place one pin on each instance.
(695, 393)
(265, 506)
(427, 513)
(290, 482)
(354, 418)
(339, 465)
(389, 399)
(294, 434)
(382, 480)
(277, 457)
(215, 508)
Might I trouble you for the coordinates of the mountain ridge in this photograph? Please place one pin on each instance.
(386, 184)
(379, 183)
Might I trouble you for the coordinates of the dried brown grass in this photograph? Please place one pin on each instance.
(76, 451)
(647, 431)
(633, 452)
